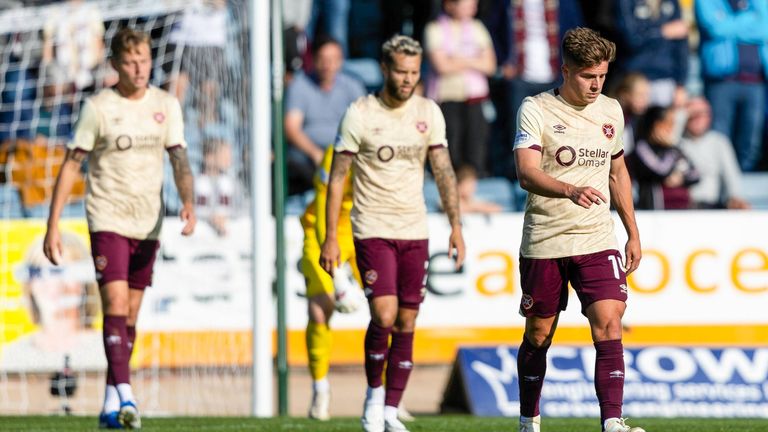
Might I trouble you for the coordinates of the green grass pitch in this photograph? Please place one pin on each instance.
(447, 423)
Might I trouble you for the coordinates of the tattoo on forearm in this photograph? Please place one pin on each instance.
(182, 174)
(75, 155)
(445, 179)
(340, 166)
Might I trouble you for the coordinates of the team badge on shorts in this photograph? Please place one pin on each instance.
(527, 302)
(101, 262)
(159, 117)
(421, 126)
(608, 130)
(371, 276)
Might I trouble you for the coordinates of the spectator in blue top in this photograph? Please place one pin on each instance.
(315, 104)
(734, 60)
(654, 37)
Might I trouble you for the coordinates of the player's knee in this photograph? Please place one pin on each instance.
(384, 318)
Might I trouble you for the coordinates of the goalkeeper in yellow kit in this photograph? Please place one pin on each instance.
(323, 293)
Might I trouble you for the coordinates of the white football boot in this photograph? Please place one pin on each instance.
(530, 424)
(618, 425)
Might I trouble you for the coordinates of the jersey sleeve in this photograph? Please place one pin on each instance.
(87, 129)
(350, 132)
(175, 125)
(529, 126)
(618, 141)
(437, 136)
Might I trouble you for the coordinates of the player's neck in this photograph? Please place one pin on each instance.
(130, 92)
(391, 101)
(569, 97)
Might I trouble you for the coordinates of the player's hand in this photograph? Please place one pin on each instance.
(330, 256)
(52, 245)
(187, 215)
(586, 196)
(456, 248)
(632, 255)
(347, 294)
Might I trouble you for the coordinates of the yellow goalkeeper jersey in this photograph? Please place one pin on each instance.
(314, 216)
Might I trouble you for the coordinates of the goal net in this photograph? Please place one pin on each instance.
(192, 355)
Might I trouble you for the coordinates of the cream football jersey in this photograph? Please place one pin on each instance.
(125, 140)
(577, 145)
(390, 147)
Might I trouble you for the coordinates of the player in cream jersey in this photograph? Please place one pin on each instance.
(124, 133)
(577, 146)
(126, 141)
(569, 157)
(386, 139)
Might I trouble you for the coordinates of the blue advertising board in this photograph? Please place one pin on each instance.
(659, 382)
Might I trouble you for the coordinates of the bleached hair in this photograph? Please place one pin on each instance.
(399, 44)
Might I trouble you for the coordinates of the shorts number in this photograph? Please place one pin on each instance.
(615, 263)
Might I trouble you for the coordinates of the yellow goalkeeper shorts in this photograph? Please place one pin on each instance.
(318, 281)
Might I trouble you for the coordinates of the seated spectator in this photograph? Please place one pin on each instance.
(315, 104)
(461, 57)
(633, 93)
(466, 179)
(216, 187)
(662, 171)
(712, 154)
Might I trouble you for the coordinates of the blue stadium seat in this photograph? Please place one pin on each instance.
(498, 190)
(755, 189)
(10, 202)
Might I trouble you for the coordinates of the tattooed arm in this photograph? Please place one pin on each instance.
(330, 254)
(182, 176)
(68, 174)
(440, 160)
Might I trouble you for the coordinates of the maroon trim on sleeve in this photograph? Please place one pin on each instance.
(434, 146)
(533, 147)
(347, 152)
(618, 155)
(79, 150)
(172, 147)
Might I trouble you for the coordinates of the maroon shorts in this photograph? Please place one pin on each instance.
(394, 267)
(119, 258)
(596, 276)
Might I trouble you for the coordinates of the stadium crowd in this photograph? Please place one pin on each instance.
(483, 57)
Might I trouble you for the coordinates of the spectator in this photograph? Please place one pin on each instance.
(712, 154)
(216, 188)
(73, 42)
(526, 36)
(315, 104)
(330, 18)
(633, 93)
(734, 60)
(466, 182)
(462, 58)
(662, 171)
(654, 37)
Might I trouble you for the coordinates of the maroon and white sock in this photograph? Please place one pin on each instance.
(609, 378)
(131, 332)
(115, 337)
(399, 366)
(531, 368)
(376, 349)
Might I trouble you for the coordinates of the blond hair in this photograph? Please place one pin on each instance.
(584, 47)
(128, 40)
(399, 44)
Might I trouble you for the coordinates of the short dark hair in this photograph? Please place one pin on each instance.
(322, 41)
(399, 44)
(584, 47)
(127, 39)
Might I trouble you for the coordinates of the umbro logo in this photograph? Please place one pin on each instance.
(559, 129)
(376, 356)
(623, 288)
(114, 340)
(616, 374)
(405, 364)
(531, 378)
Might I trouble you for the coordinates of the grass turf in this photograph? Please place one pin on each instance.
(447, 423)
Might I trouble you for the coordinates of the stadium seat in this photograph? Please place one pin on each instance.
(10, 202)
(755, 189)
